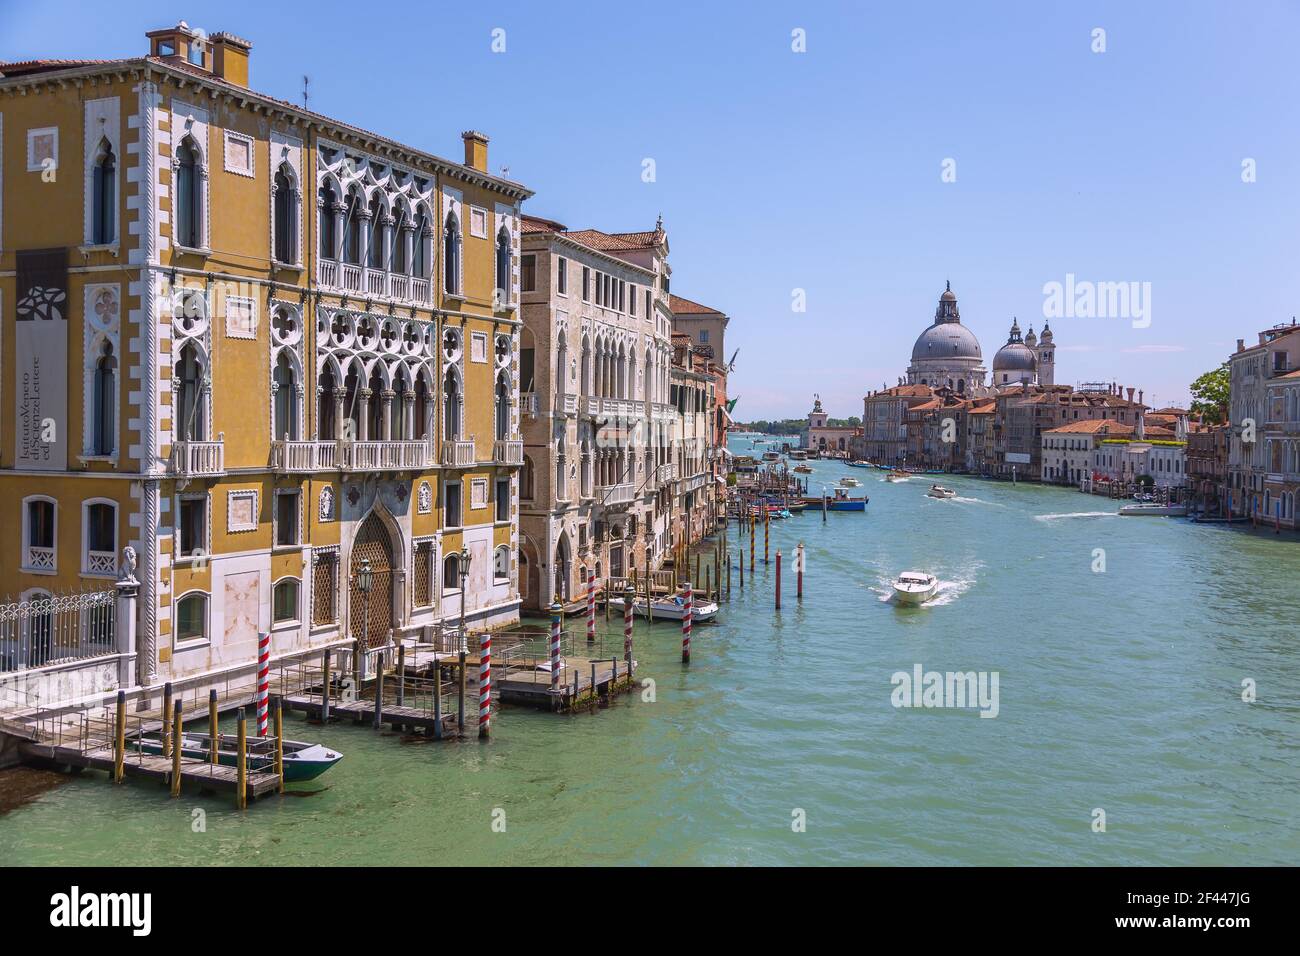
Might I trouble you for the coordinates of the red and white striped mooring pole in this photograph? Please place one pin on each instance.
(485, 685)
(687, 613)
(629, 598)
(263, 681)
(591, 605)
(555, 647)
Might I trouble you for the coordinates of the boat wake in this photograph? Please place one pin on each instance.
(1076, 514)
(948, 591)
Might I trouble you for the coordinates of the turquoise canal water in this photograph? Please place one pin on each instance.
(1118, 690)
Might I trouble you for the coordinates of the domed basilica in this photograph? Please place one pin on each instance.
(948, 354)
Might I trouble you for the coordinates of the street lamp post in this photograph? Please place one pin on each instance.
(365, 580)
(464, 575)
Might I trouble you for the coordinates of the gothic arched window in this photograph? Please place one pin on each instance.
(451, 407)
(451, 255)
(286, 404)
(352, 229)
(328, 235)
(286, 218)
(104, 423)
(503, 264)
(104, 200)
(188, 200)
(190, 424)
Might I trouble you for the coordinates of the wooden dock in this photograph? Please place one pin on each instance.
(362, 711)
(196, 771)
(579, 684)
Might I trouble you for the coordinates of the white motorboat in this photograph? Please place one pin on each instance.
(1155, 509)
(915, 587)
(939, 491)
(671, 608)
(850, 482)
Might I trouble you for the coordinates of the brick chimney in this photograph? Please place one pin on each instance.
(224, 55)
(1131, 390)
(230, 58)
(476, 144)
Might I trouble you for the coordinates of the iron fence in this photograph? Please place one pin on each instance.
(55, 630)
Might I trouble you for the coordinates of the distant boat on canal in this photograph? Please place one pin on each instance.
(915, 587)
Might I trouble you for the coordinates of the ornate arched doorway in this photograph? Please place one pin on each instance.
(562, 569)
(372, 542)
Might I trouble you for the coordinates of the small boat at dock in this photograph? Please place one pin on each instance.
(1154, 509)
(302, 761)
(840, 501)
(672, 608)
(858, 464)
(915, 587)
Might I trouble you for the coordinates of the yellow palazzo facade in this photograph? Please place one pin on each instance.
(243, 348)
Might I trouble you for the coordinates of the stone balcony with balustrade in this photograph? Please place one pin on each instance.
(566, 403)
(620, 494)
(458, 454)
(305, 457)
(198, 459)
(508, 452)
(344, 277)
(612, 407)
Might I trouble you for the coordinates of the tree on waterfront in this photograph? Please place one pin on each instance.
(793, 426)
(1210, 395)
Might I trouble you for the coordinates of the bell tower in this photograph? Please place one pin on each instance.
(1045, 352)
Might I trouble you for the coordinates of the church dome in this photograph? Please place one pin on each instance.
(1015, 356)
(946, 340)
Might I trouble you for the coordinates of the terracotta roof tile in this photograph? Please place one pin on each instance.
(680, 306)
(615, 241)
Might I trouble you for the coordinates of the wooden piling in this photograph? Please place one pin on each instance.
(767, 524)
(214, 727)
(437, 698)
(166, 716)
(277, 715)
(460, 697)
(379, 690)
(649, 595)
(778, 579)
(798, 571)
(119, 739)
(325, 691)
(176, 748)
(401, 675)
(241, 762)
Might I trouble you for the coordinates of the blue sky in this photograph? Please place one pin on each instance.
(820, 171)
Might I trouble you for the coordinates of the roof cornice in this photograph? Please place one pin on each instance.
(148, 67)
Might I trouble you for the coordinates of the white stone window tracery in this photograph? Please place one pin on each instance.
(101, 371)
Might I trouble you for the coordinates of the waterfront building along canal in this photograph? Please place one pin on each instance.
(271, 346)
(598, 419)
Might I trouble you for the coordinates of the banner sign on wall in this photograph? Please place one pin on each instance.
(41, 354)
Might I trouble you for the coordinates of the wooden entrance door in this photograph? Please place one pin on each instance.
(372, 542)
